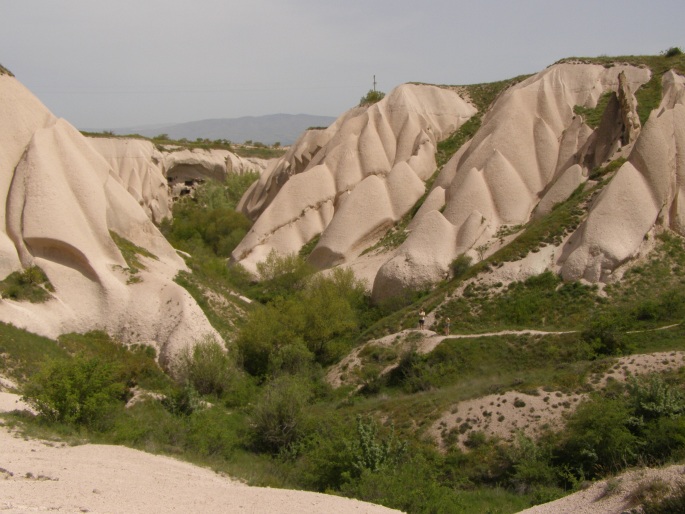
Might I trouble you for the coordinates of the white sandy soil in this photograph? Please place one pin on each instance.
(38, 476)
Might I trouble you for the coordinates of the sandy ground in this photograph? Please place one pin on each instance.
(614, 495)
(39, 476)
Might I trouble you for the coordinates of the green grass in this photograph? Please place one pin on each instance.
(23, 352)
(30, 285)
(482, 96)
(130, 253)
(649, 95)
(593, 116)
(5, 71)
(309, 246)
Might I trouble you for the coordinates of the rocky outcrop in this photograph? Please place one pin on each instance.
(348, 182)
(531, 151)
(139, 166)
(62, 201)
(156, 177)
(645, 192)
(185, 168)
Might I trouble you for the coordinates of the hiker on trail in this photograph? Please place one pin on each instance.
(447, 326)
(422, 319)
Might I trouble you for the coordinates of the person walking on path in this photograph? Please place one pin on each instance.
(422, 318)
(447, 326)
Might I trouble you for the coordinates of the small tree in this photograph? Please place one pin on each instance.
(371, 97)
(207, 367)
(79, 391)
(460, 265)
(279, 418)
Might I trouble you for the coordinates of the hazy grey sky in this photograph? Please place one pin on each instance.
(114, 63)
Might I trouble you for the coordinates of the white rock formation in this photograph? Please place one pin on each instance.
(61, 199)
(139, 165)
(530, 147)
(645, 191)
(352, 180)
(184, 168)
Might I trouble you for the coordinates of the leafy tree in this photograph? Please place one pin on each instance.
(279, 417)
(324, 310)
(328, 311)
(282, 275)
(79, 391)
(371, 97)
(599, 438)
(207, 367)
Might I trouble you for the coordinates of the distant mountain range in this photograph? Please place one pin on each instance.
(269, 129)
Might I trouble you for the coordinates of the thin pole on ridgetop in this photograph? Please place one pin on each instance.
(374, 83)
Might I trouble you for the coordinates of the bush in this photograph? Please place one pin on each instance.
(279, 418)
(77, 392)
(207, 367)
(281, 275)
(371, 97)
(460, 266)
(605, 335)
(213, 432)
(371, 452)
(599, 438)
(318, 318)
(29, 285)
(673, 51)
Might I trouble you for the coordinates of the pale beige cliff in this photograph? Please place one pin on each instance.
(184, 168)
(531, 150)
(139, 166)
(645, 192)
(61, 201)
(349, 183)
(353, 180)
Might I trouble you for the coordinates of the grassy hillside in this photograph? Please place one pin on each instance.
(264, 411)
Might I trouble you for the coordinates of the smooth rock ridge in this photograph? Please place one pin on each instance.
(351, 181)
(531, 150)
(61, 202)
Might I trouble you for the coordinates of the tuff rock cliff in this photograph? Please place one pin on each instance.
(349, 183)
(66, 198)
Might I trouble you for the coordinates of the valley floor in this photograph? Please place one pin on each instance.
(41, 475)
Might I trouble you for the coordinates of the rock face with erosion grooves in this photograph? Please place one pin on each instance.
(63, 204)
(645, 192)
(531, 144)
(353, 180)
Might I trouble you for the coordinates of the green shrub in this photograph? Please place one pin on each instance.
(460, 266)
(605, 334)
(672, 503)
(651, 398)
(673, 51)
(282, 275)
(599, 438)
(213, 432)
(372, 452)
(30, 285)
(207, 367)
(79, 391)
(371, 97)
(183, 401)
(279, 417)
(319, 317)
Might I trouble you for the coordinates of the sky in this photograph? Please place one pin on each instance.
(126, 63)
